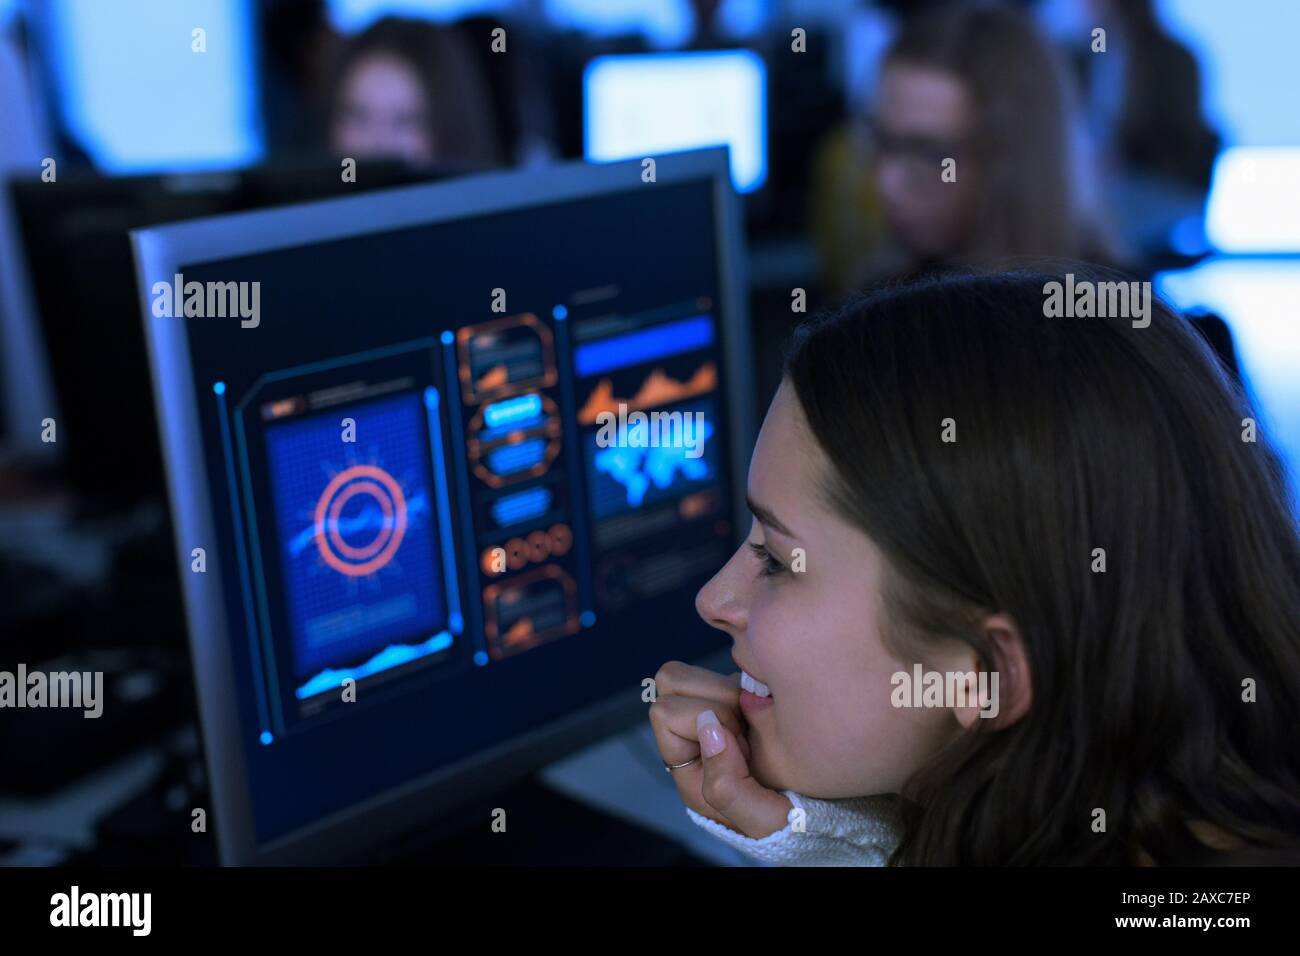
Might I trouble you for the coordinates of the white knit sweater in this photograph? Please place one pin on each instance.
(862, 831)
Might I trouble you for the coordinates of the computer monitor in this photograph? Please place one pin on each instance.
(1252, 280)
(1257, 296)
(78, 260)
(640, 105)
(431, 560)
(1253, 207)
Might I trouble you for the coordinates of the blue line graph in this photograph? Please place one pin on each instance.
(370, 518)
(392, 656)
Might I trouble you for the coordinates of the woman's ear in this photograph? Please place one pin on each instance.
(1013, 690)
(1003, 695)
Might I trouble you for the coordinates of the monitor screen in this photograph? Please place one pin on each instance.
(1257, 297)
(448, 465)
(1253, 207)
(642, 105)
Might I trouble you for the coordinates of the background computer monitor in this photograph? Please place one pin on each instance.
(1259, 298)
(77, 254)
(1252, 280)
(497, 584)
(640, 105)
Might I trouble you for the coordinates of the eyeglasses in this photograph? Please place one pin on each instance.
(919, 156)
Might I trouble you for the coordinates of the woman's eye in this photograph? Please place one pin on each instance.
(769, 565)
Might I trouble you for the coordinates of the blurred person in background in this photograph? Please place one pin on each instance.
(980, 86)
(1144, 107)
(1144, 98)
(408, 89)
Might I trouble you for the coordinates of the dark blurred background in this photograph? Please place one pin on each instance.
(1171, 153)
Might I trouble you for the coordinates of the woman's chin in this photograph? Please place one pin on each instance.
(760, 767)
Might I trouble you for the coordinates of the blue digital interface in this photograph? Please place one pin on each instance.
(670, 338)
(427, 551)
(358, 538)
(653, 459)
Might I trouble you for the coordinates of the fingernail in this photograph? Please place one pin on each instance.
(712, 742)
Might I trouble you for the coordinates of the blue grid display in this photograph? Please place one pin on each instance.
(348, 599)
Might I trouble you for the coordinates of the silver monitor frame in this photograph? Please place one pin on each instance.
(160, 252)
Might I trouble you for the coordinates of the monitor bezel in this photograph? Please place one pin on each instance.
(161, 251)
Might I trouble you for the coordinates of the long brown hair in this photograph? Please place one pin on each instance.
(461, 114)
(1166, 689)
(1035, 177)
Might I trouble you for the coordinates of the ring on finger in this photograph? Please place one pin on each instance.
(670, 767)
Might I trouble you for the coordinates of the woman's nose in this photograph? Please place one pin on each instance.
(891, 179)
(721, 602)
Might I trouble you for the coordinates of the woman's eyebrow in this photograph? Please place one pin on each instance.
(765, 516)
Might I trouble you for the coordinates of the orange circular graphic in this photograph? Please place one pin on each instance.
(561, 539)
(347, 484)
(336, 510)
(539, 546)
(517, 552)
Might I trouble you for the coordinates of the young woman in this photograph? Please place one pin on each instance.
(980, 86)
(949, 478)
(407, 89)
(970, 152)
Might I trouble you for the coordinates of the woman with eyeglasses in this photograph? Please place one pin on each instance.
(971, 156)
(969, 152)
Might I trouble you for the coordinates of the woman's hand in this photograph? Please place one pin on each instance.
(719, 785)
